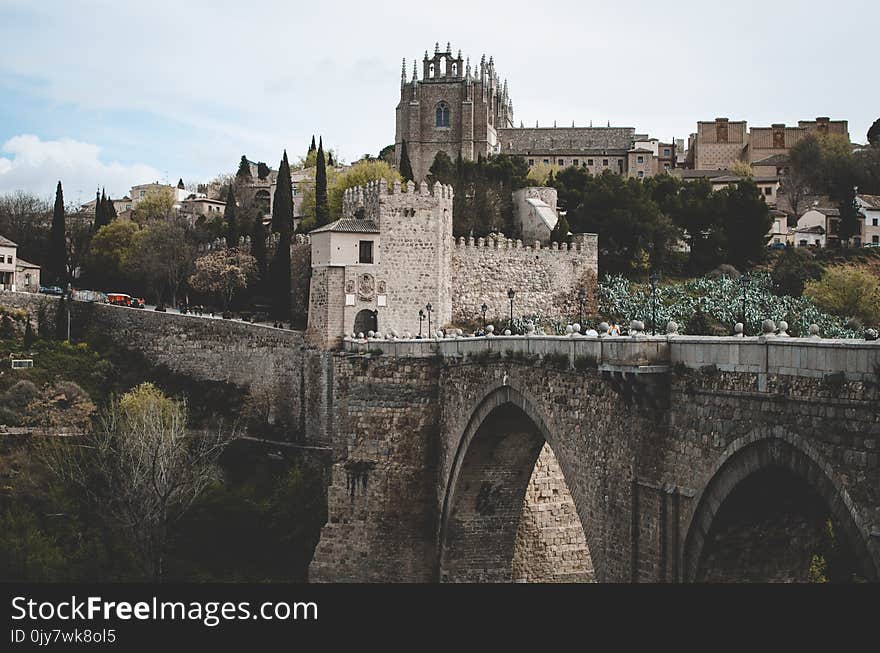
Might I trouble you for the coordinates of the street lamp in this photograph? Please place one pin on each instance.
(654, 278)
(484, 308)
(510, 295)
(744, 280)
(421, 319)
(582, 297)
(429, 308)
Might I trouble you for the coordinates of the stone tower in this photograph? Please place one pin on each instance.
(453, 108)
(389, 256)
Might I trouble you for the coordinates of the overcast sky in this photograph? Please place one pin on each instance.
(112, 92)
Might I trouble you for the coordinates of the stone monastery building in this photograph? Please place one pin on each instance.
(458, 109)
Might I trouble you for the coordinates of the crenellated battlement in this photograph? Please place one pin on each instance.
(369, 197)
(586, 243)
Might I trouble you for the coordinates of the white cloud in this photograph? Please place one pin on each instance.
(36, 165)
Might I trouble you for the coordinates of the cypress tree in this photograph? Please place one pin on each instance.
(322, 210)
(57, 263)
(110, 211)
(28, 332)
(330, 159)
(244, 169)
(312, 147)
(230, 227)
(258, 246)
(406, 170)
(282, 222)
(100, 220)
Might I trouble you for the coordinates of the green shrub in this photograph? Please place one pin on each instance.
(557, 360)
(584, 363)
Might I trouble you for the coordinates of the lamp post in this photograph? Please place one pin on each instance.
(744, 280)
(484, 308)
(582, 297)
(421, 319)
(511, 293)
(654, 278)
(429, 308)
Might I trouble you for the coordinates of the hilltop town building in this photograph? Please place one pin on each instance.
(468, 112)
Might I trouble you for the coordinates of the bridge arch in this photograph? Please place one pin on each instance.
(486, 482)
(766, 449)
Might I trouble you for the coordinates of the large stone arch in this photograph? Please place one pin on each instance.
(763, 448)
(508, 454)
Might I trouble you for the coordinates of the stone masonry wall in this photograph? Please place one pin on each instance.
(546, 279)
(550, 545)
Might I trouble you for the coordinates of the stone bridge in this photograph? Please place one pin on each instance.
(681, 458)
(687, 458)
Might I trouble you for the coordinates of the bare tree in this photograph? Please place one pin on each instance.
(142, 469)
(795, 190)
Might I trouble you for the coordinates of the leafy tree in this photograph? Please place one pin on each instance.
(26, 220)
(106, 261)
(742, 169)
(160, 258)
(231, 227)
(79, 235)
(224, 272)
(110, 209)
(258, 246)
(442, 169)
(874, 133)
(282, 223)
(262, 170)
(405, 166)
(387, 154)
(158, 205)
(847, 291)
(360, 174)
(141, 470)
(322, 211)
(56, 270)
(806, 161)
(244, 169)
(793, 270)
(746, 222)
(539, 174)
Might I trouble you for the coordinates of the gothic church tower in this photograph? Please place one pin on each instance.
(452, 108)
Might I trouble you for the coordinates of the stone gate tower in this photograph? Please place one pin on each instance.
(452, 108)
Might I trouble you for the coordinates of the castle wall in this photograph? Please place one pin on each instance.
(546, 279)
(564, 139)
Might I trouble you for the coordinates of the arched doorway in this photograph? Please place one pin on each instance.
(508, 514)
(366, 321)
(771, 514)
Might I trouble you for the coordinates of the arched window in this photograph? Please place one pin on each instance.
(442, 115)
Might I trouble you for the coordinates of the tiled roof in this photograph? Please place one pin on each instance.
(5, 242)
(873, 201)
(24, 264)
(349, 225)
(774, 160)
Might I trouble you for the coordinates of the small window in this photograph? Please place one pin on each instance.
(442, 115)
(666, 167)
(874, 222)
(605, 162)
(562, 162)
(875, 239)
(27, 279)
(531, 162)
(768, 191)
(803, 243)
(640, 159)
(143, 193)
(546, 161)
(641, 174)
(366, 251)
(589, 162)
(666, 151)
(575, 163)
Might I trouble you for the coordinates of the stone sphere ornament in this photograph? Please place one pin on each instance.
(569, 329)
(814, 331)
(768, 327)
(490, 330)
(738, 329)
(603, 328)
(783, 329)
(576, 327)
(671, 328)
(636, 327)
(507, 332)
(360, 335)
